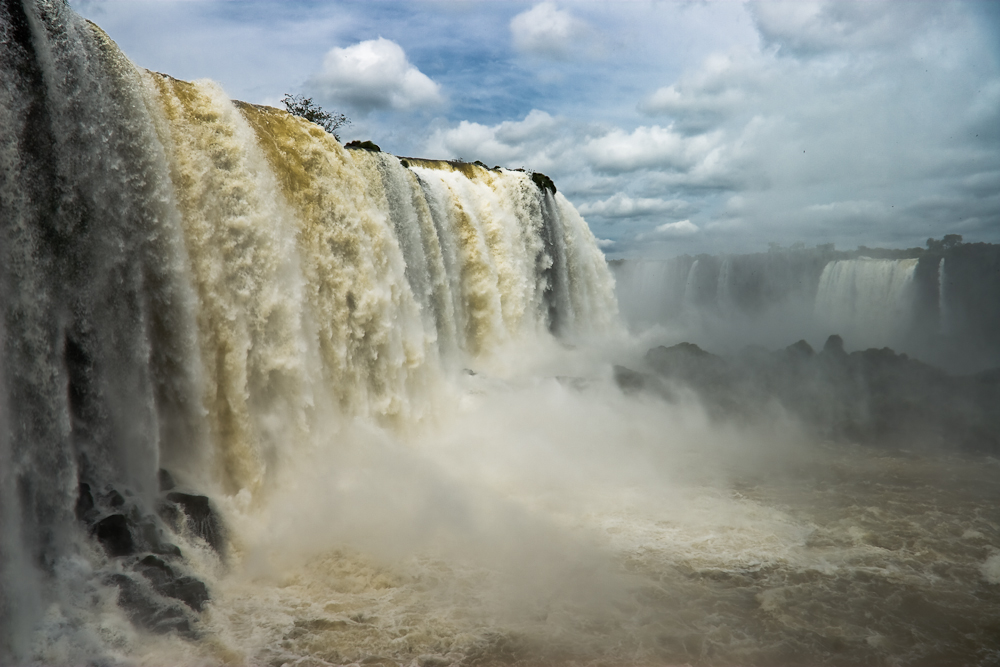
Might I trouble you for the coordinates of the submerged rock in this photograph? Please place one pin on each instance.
(167, 582)
(150, 611)
(165, 480)
(114, 535)
(202, 521)
(85, 507)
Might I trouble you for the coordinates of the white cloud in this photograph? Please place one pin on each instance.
(701, 99)
(649, 147)
(621, 205)
(533, 142)
(840, 210)
(605, 243)
(679, 229)
(545, 30)
(374, 74)
(808, 27)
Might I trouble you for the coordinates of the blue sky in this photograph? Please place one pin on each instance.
(674, 126)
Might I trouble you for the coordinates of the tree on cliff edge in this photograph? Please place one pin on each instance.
(304, 107)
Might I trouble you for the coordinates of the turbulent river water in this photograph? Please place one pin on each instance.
(392, 382)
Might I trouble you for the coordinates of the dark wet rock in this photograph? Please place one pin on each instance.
(167, 582)
(363, 145)
(873, 396)
(201, 520)
(154, 590)
(84, 503)
(629, 380)
(114, 499)
(155, 540)
(405, 163)
(166, 480)
(150, 611)
(171, 514)
(800, 350)
(543, 182)
(114, 535)
(834, 345)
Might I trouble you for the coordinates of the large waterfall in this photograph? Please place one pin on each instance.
(266, 400)
(205, 286)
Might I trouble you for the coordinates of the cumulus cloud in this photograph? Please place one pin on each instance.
(702, 99)
(808, 27)
(682, 228)
(847, 210)
(649, 147)
(534, 141)
(547, 31)
(621, 205)
(374, 74)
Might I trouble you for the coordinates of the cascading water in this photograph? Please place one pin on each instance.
(393, 381)
(870, 300)
(944, 317)
(199, 285)
(773, 299)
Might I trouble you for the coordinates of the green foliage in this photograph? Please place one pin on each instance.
(949, 241)
(304, 107)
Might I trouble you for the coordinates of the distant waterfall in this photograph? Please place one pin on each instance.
(869, 300)
(772, 298)
(944, 317)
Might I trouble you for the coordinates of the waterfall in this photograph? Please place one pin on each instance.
(690, 299)
(944, 318)
(774, 298)
(869, 300)
(203, 285)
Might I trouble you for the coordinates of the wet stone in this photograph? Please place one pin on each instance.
(114, 535)
(202, 520)
(114, 499)
(84, 502)
(168, 583)
(153, 537)
(166, 480)
(146, 611)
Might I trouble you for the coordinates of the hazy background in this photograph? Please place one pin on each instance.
(675, 127)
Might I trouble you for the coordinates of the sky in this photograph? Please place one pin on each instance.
(675, 127)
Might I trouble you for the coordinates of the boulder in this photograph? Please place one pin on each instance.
(114, 535)
(167, 582)
(148, 610)
(201, 520)
(363, 145)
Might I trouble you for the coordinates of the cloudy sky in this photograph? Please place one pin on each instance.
(673, 126)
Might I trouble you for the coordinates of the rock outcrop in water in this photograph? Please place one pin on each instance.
(875, 396)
